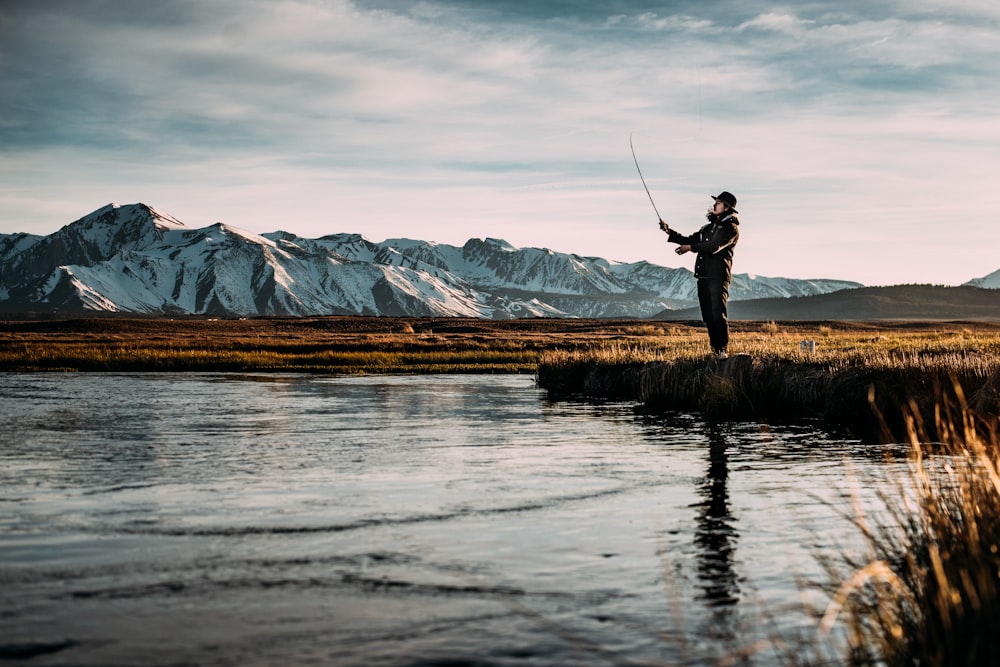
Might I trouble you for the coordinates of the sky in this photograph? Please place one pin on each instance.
(861, 138)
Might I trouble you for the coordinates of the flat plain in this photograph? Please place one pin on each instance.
(361, 345)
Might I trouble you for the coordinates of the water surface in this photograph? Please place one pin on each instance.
(292, 519)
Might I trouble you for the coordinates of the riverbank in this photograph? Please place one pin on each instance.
(664, 366)
(860, 380)
(854, 397)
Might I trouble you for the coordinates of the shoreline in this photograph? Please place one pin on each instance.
(873, 403)
(905, 366)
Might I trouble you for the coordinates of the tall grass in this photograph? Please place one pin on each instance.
(774, 379)
(927, 591)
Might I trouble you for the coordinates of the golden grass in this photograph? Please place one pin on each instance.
(771, 377)
(321, 345)
(560, 351)
(284, 358)
(927, 590)
(883, 348)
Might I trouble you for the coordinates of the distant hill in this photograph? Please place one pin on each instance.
(899, 302)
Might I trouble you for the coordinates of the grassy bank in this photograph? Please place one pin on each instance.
(851, 378)
(662, 365)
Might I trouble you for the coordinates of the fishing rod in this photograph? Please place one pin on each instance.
(636, 160)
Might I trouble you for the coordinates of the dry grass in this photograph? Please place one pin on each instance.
(773, 378)
(927, 592)
(321, 345)
(661, 365)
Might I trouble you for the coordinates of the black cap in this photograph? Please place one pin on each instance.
(726, 198)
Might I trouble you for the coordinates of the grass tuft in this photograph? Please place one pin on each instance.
(927, 590)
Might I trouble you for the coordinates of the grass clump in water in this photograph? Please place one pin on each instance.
(927, 592)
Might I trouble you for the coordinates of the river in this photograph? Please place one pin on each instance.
(216, 519)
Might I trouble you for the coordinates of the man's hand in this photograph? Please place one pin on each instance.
(664, 227)
(681, 249)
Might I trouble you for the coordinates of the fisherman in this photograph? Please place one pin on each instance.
(713, 268)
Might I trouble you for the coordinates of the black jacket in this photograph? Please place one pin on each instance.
(714, 244)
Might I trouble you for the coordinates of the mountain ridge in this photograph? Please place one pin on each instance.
(135, 259)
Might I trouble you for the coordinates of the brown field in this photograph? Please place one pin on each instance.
(442, 345)
(315, 344)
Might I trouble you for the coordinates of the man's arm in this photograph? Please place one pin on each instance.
(675, 237)
(724, 237)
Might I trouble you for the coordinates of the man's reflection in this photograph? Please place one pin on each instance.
(715, 537)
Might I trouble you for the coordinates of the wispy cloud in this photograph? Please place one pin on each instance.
(839, 125)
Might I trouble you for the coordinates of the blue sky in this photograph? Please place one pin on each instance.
(860, 138)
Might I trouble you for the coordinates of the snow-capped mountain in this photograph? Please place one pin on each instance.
(989, 281)
(134, 258)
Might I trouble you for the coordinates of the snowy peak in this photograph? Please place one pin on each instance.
(14, 244)
(30, 264)
(351, 246)
(989, 281)
(124, 221)
(487, 246)
(225, 235)
(750, 286)
(110, 229)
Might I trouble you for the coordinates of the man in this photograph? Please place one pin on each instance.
(713, 268)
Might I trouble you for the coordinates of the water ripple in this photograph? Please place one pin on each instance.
(397, 521)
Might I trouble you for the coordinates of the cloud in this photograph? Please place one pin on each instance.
(444, 120)
(786, 24)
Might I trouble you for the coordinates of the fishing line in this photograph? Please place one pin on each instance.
(634, 159)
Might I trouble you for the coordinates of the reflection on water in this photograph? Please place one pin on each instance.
(221, 519)
(716, 539)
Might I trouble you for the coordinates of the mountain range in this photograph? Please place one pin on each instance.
(135, 259)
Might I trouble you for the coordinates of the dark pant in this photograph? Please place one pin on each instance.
(713, 295)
